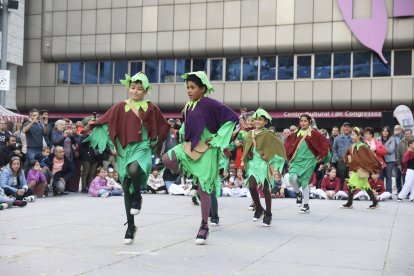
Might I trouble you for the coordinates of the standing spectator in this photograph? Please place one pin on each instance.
(408, 168)
(285, 134)
(44, 118)
(36, 180)
(374, 145)
(402, 148)
(88, 160)
(79, 127)
(76, 140)
(398, 136)
(172, 138)
(34, 131)
(293, 128)
(388, 141)
(341, 144)
(334, 134)
(59, 134)
(13, 181)
(62, 170)
(3, 133)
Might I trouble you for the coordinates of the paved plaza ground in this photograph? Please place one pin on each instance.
(76, 234)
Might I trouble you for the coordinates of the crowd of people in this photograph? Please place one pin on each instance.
(210, 144)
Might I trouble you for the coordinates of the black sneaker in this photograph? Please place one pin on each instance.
(299, 198)
(399, 199)
(374, 206)
(258, 214)
(195, 201)
(305, 209)
(214, 221)
(202, 234)
(20, 203)
(267, 219)
(252, 207)
(136, 205)
(130, 235)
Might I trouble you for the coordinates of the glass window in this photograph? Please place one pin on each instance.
(91, 72)
(105, 72)
(322, 66)
(402, 63)
(63, 69)
(285, 68)
(183, 66)
(151, 70)
(233, 69)
(250, 68)
(167, 70)
(342, 68)
(267, 68)
(76, 73)
(361, 64)
(136, 66)
(199, 65)
(121, 68)
(216, 69)
(381, 69)
(304, 67)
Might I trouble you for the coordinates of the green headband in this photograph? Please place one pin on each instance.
(140, 76)
(261, 112)
(204, 79)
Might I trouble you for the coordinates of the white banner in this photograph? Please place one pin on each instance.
(5, 80)
(404, 117)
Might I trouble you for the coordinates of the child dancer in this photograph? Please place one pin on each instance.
(361, 162)
(263, 153)
(408, 168)
(208, 127)
(36, 180)
(136, 128)
(305, 148)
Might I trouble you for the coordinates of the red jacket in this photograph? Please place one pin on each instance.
(327, 184)
(407, 158)
(380, 152)
(377, 186)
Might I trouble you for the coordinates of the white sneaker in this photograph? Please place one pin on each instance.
(29, 198)
(106, 194)
(4, 206)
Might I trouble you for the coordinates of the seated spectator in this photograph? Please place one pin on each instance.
(155, 182)
(361, 195)
(330, 185)
(10, 150)
(278, 191)
(343, 192)
(379, 187)
(170, 178)
(235, 186)
(36, 180)
(13, 181)
(114, 185)
(287, 187)
(6, 202)
(99, 185)
(62, 170)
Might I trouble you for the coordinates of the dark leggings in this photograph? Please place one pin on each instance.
(255, 195)
(135, 176)
(214, 205)
(205, 200)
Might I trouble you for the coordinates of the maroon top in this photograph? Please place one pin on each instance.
(127, 127)
(317, 144)
(327, 184)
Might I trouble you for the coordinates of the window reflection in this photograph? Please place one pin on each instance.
(183, 66)
(342, 68)
(233, 69)
(105, 72)
(268, 68)
(216, 69)
(62, 74)
(361, 66)
(200, 65)
(304, 68)
(151, 70)
(322, 66)
(91, 72)
(167, 70)
(285, 68)
(136, 66)
(250, 68)
(380, 69)
(121, 68)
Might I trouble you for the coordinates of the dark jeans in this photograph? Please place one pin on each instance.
(398, 178)
(342, 170)
(9, 192)
(88, 173)
(290, 194)
(387, 175)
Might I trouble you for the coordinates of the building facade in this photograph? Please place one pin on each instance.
(284, 55)
(15, 44)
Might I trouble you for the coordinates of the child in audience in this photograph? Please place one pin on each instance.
(99, 185)
(330, 185)
(379, 188)
(343, 193)
(36, 180)
(235, 186)
(278, 191)
(114, 186)
(155, 182)
(6, 202)
(408, 168)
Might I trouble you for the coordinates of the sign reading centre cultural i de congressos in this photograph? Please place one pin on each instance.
(5, 80)
(329, 114)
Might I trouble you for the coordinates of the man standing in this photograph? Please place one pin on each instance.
(3, 133)
(401, 149)
(34, 130)
(340, 146)
(334, 134)
(398, 136)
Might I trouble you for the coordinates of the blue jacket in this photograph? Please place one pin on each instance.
(6, 180)
(340, 146)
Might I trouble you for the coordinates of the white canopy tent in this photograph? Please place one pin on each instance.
(8, 115)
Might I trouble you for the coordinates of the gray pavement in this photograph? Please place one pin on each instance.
(77, 234)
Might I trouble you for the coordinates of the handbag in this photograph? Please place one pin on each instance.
(197, 152)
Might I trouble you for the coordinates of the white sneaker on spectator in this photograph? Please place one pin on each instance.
(106, 194)
(29, 198)
(4, 206)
